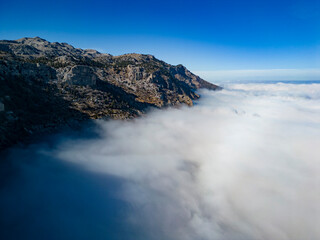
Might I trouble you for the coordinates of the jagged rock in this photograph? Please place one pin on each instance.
(52, 84)
(78, 75)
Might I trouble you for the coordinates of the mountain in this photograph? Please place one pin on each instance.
(45, 85)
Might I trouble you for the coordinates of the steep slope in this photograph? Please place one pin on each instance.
(45, 85)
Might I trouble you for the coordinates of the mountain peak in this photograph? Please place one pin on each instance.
(30, 39)
(61, 83)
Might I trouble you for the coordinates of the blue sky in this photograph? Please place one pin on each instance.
(217, 35)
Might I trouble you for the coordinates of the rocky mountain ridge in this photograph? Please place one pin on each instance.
(45, 85)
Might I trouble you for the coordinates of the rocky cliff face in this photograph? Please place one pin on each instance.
(45, 85)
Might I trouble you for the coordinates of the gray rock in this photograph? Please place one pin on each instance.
(78, 75)
(53, 84)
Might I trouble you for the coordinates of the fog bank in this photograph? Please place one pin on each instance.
(243, 163)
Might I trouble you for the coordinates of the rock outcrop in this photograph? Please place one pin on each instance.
(46, 85)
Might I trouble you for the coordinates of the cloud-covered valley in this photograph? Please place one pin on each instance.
(242, 164)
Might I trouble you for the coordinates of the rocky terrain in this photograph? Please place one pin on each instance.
(45, 85)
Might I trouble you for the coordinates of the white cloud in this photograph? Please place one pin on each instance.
(243, 163)
(239, 165)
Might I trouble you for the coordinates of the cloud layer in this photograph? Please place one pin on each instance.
(243, 163)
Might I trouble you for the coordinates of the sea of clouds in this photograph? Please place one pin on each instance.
(242, 164)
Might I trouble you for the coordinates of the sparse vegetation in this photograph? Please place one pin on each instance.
(49, 86)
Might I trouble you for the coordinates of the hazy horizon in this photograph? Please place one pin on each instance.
(250, 75)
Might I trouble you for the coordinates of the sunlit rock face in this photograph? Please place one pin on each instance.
(148, 78)
(78, 75)
(53, 84)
